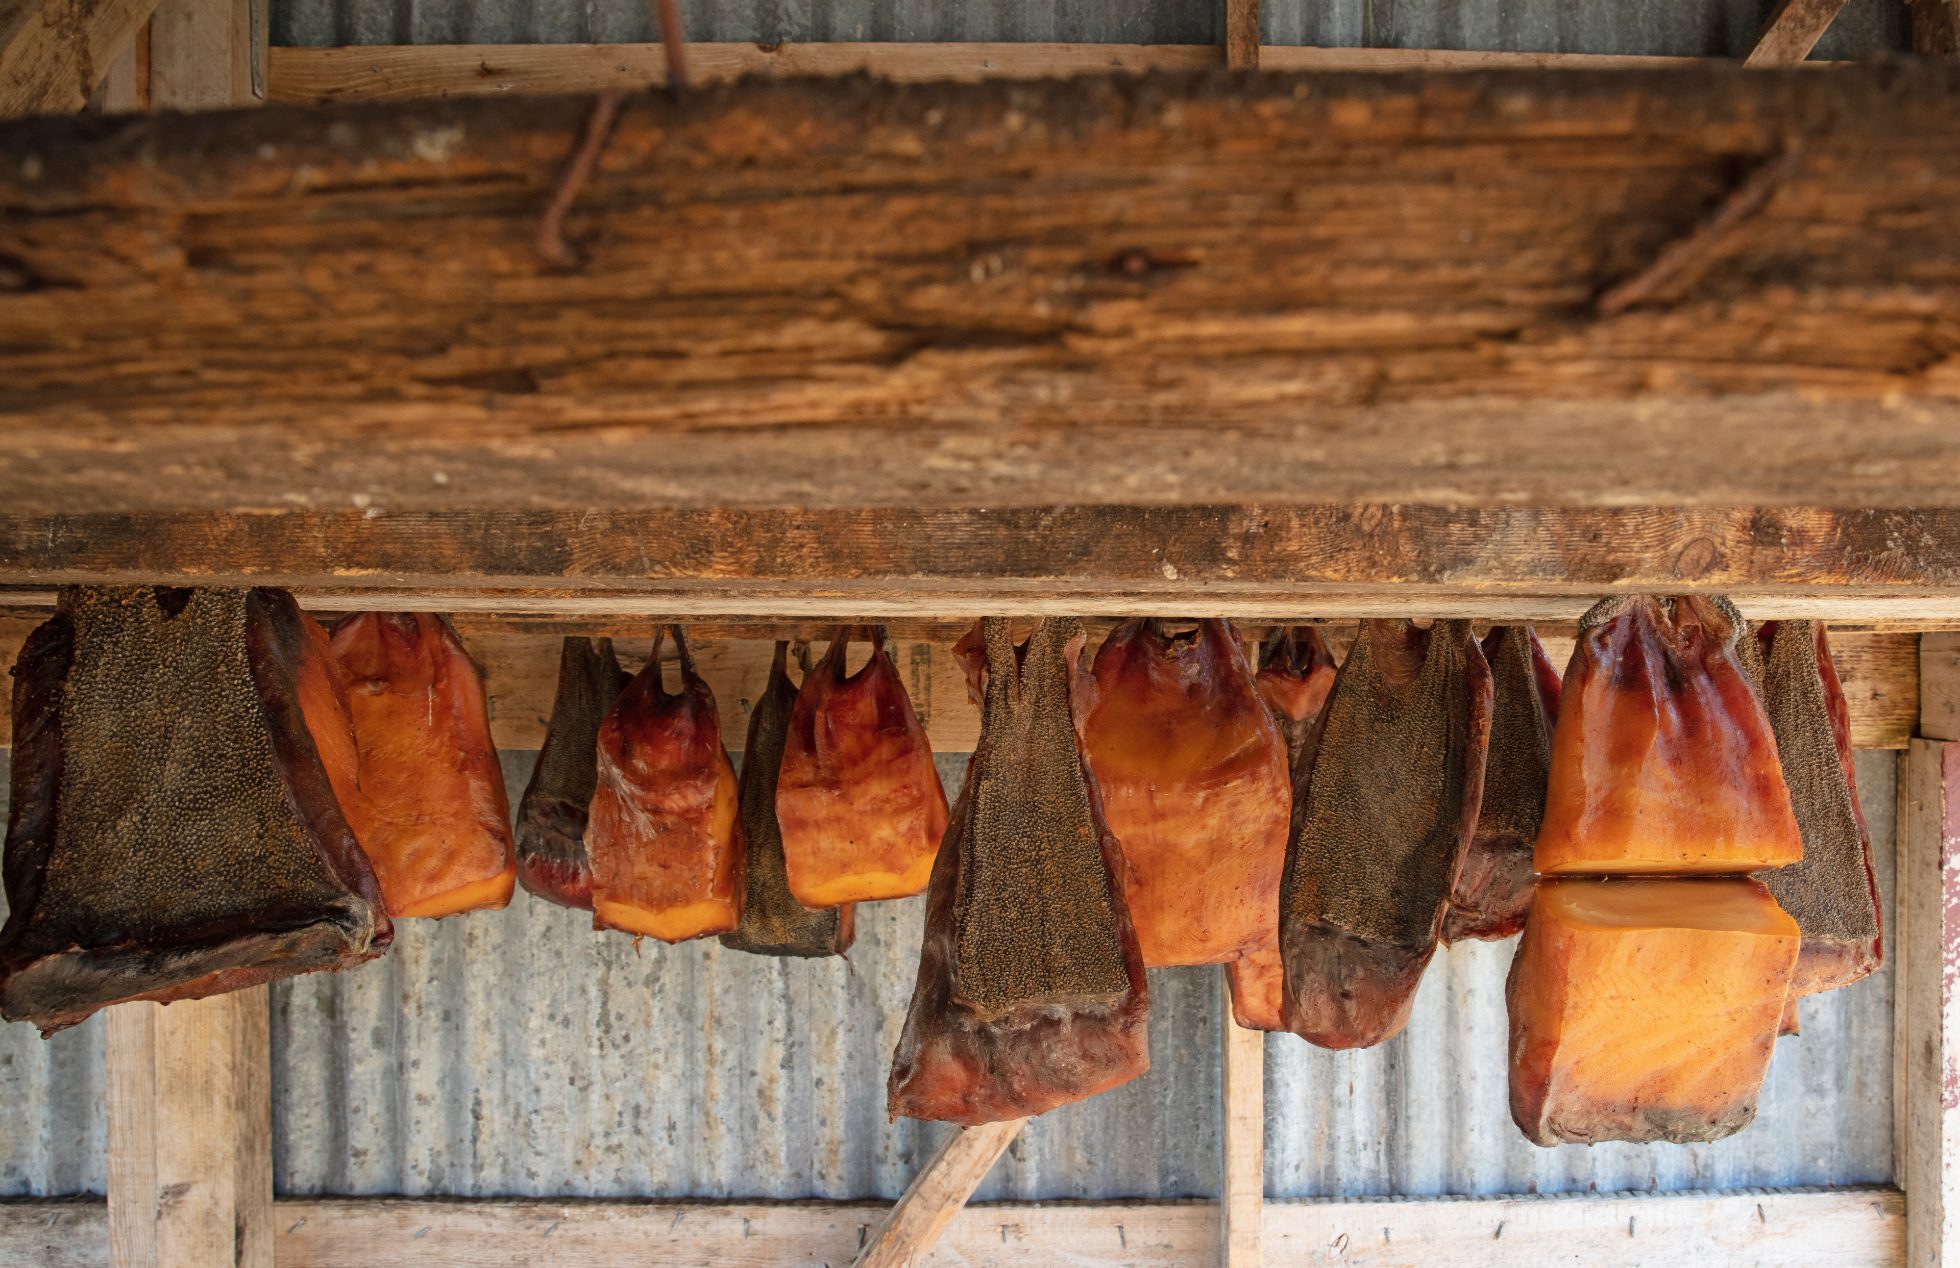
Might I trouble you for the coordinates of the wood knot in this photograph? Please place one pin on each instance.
(1697, 559)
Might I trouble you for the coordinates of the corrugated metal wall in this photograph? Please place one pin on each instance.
(1717, 28)
(520, 1053)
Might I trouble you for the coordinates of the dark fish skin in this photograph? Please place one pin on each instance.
(551, 858)
(773, 922)
(1031, 990)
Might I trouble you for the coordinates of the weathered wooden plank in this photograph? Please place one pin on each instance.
(207, 54)
(1242, 1184)
(357, 301)
(410, 72)
(54, 52)
(1935, 27)
(1939, 686)
(908, 1232)
(1928, 1008)
(1838, 1228)
(1792, 31)
(190, 1132)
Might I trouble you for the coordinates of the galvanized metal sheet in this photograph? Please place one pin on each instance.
(1689, 28)
(520, 1053)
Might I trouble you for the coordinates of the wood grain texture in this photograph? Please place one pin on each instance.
(1927, 975)
(1792, 31)
(908, 1232)
(203, 53)
(190, 1132)
(1242, 1093)
(1837, 1228)
(1241, 34)
(54, 52)
(1939, 686)
(1880, 670)
(1935, 27)
(356, 302)
(410, 72)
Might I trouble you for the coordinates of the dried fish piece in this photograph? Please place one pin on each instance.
(1031, 989)
(773, 922)
(1193, 778)
(1663, 760)
(1645, 1009)
(1388, 790)
(665, 834)
(433, 814)
(860, 803)
(1296, 671)
(1493, 887)
(551, 819)
(175, 827)
(1832, 892)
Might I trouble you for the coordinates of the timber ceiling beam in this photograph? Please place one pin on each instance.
(1178, 343)
(54, 52)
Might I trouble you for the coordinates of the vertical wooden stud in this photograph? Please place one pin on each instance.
(207, 54)
(1242, 1189)
(1927, 968)
(189, 1133)
(1242, 34)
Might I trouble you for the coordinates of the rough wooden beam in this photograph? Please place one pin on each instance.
(1792, 31)
(190, 1132)
(1242, 34)
(1829, 1228)
(1242, 1139)
(54, 52)
(369, 72)
(908, 1232)
(125, 89)
(356, 300)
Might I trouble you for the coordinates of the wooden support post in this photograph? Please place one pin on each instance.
(1242, 1141)
(1792, 31)
(1939, 686)
(207, 54)
(1936, 27)
(936, 1195)
(1242, 34)
(1927, 1041)
(190, 1132)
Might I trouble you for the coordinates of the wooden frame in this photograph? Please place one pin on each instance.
(1711, 543)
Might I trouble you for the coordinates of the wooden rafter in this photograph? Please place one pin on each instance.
(905, 1236)
(54, 52)
(1792, 31)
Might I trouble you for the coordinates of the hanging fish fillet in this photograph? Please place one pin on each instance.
(434, 817)
(175, 829)
(551, 858)
(1663, 760)
(1031, 989)
(1832, 893)
(773, 922)
(1193, 778)
(1388, 791)
(1646, 1009)
(1296, 671)
(860, 803)
(665, 834)
(1493, 888)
